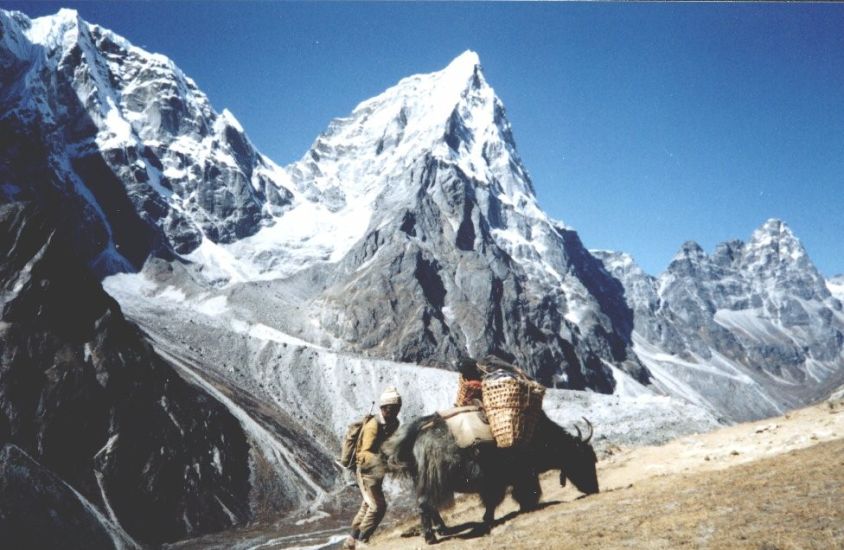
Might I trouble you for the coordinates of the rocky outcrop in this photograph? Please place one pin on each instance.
(418, 295)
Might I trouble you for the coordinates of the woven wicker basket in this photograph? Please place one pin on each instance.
(512, 407)
(534, 409)
(467, 391)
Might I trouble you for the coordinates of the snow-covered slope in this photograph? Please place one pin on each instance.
(750, 331)
(323, 388)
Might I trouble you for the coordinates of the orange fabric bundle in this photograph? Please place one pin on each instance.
(468, 391)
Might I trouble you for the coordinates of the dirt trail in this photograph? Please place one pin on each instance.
(772, 484)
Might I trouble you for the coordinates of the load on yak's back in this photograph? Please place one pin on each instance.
(510, 399)
(496, 438)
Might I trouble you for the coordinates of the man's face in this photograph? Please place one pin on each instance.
(389, 412)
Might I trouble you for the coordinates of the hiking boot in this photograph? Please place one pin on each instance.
(349, 543)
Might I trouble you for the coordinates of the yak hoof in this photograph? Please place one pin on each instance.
(430, 539)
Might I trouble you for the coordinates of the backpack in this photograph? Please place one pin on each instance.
(349, 447)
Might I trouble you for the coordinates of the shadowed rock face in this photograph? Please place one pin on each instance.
(38, 510)
(88, 398)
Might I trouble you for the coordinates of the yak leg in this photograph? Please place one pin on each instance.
(491, 497)
(439, 524)
(526, 491)
(428, 514)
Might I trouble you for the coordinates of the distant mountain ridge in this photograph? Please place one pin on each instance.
(749, 331)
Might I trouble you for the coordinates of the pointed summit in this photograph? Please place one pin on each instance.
(773, 228)
(774, 237)
(689, 250)
(463, 67)
(469, 58)
(63, 27)
(774, 251)
(452, 114)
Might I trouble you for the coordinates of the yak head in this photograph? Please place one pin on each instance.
(573, 455)
(578, 462)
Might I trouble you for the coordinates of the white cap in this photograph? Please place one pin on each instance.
(390, 397)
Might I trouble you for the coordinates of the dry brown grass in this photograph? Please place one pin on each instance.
(704, 494)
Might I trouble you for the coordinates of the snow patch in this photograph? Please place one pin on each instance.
(836, 287)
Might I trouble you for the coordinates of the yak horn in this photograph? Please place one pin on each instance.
(591, 430)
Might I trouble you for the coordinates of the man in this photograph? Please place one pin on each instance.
(370, 471)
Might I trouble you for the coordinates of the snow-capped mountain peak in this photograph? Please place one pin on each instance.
(114, 112)
(452, 114)
(364, 168)
(51, 30)
(775, 257)
(758, 316)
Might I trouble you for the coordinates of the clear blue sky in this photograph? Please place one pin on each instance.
(642, 125)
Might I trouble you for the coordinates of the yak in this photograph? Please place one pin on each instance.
(426, 451)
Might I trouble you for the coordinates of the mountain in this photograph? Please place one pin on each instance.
(126, 136)
(114, 162)
(86, 397)
(749, 331)
(439, 248)
(421, 186)
(163, 453)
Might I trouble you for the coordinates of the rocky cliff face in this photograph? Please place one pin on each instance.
(750, 330)
(88, 399)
